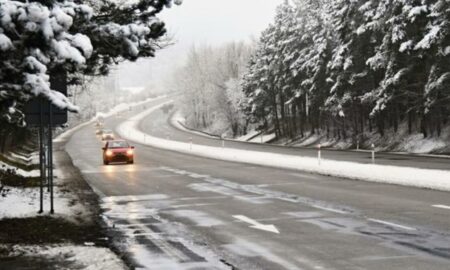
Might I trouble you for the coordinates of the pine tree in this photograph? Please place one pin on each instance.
(39, 37)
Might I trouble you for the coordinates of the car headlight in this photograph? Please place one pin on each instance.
(109, 153)
(130, 152)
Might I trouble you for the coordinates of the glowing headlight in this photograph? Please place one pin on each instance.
(109, 153)
(130, 152)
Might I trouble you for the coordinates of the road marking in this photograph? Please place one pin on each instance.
(256, 225)
(392, 224)
(442, 206)
(329, 209)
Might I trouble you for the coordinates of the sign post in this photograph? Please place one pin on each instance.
(41, 158)
(43, 114)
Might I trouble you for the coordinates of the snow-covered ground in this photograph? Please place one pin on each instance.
(400, 141)
(422, 178)
(77, 257)
(179, 121)
(116, 110)
(248, 136)
(24, 202)
(264, 138)
(20, 172)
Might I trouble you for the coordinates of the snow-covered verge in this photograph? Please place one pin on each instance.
(263, 138)
(75, 257)
(250, 135)
(179, 121)
(116, 110)
(400, 141)
(20, 172)
(69, 239)
(422, 178)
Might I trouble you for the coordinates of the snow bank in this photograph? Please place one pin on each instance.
(117, 109)
(248, 136)
(422, 178)
(20, 172)
(79, 257)
(179, 121)
(24, 202)
(264, 138)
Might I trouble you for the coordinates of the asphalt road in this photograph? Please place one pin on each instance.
(182, 212)
(167, 130)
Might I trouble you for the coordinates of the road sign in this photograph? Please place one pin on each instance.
(32, 109)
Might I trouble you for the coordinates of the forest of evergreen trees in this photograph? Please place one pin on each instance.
(343, 68)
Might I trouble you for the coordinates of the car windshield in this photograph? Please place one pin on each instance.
(120, 144)
(107, 131)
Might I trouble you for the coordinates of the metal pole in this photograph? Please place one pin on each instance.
(319, 154)
(373, 153)
(50, 154)
(41, 157)
(47, 157)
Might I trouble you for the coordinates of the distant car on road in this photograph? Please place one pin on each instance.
(118, 151)
(107, 135)
(98, 124)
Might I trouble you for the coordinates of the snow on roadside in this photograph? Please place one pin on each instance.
(79, 257)
(18, 171)
(248, 136)
(24, 202)
(179, 121)
(116, 110)
(422, 178)
(264, 138)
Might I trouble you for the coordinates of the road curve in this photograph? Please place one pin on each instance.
(177, 211)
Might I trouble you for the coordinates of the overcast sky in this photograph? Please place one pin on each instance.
(200, 22)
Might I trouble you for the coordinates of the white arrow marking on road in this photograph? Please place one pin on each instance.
(442, 206)
(256, 225)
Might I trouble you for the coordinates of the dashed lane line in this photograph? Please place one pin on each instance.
(392, 224)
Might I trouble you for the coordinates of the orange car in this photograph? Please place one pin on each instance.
(118, 151)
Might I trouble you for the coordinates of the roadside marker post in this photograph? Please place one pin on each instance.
(373, 153)
(319, 154)
(50, 155)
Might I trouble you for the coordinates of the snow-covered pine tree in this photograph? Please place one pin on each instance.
(39, 37)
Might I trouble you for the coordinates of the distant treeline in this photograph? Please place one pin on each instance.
(346, 67)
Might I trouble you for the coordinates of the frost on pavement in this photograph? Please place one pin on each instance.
(152, 241)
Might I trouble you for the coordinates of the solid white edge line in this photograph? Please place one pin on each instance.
(392, 224)
(442, 206)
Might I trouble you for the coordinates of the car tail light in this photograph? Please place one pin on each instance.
(109, 153)
(130, 152)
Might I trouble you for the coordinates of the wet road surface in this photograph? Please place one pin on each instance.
(182, 212)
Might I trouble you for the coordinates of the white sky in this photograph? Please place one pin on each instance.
(201, 22)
